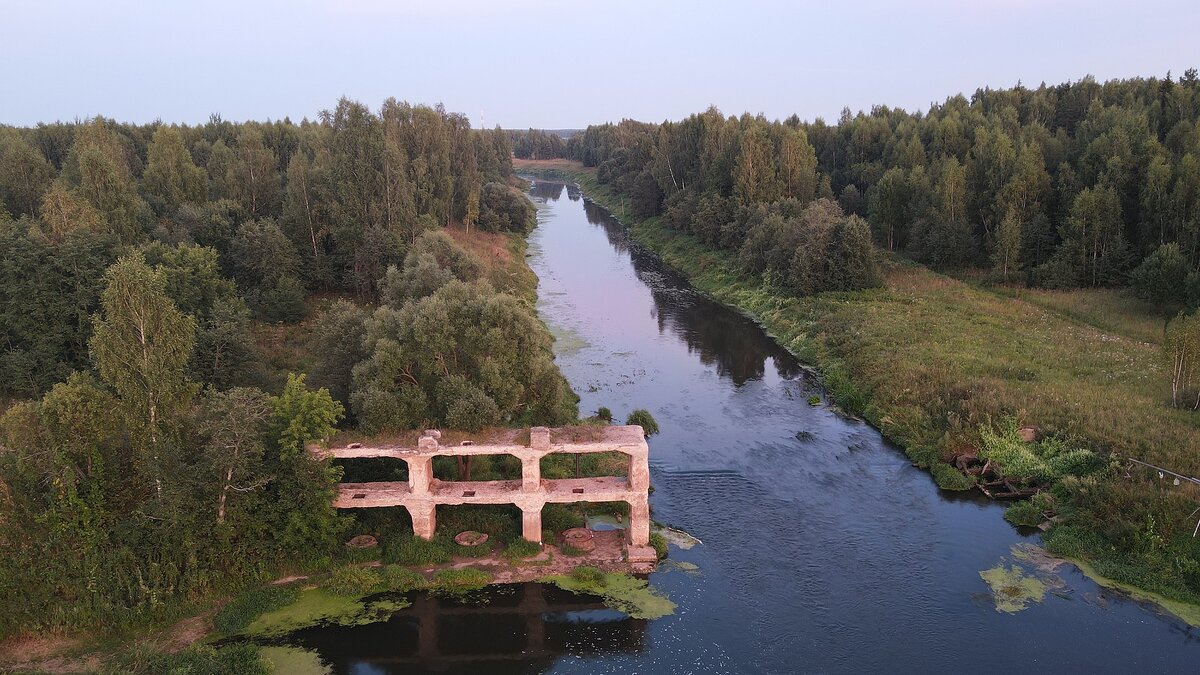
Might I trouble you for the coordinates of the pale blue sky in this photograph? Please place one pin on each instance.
(556, 63)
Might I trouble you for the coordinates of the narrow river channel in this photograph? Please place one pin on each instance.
(823, 549)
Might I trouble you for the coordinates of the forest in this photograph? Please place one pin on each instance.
(1076, 185)
(152, 444)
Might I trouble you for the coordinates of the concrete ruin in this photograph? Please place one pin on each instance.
(422, 493)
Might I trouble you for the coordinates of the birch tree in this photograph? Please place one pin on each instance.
(141, 344)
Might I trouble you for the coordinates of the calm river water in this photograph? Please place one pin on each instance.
(823, 549)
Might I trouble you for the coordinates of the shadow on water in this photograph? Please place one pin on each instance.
(510, 628)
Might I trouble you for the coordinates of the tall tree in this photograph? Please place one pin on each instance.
(141, 344)
(171, 179)
(253, 175)
(232, 423)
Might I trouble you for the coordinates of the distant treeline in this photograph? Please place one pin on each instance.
(540, 143)
(1062, 186)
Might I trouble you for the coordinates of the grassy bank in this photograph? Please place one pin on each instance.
(936, 363)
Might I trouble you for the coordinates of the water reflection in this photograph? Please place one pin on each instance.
(548, 191)
(720, 337)
(512, 628)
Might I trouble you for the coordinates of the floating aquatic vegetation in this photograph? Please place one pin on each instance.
(621, 592)
(568, 341)
(1012, 589)
(677, 538)
(690, 569)
(316, 605)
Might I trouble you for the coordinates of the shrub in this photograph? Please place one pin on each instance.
(240, 612)
(1025, 513)
(659, 543)
(588, 575)
(604, 414)
(458, 582)
(353, 581)
(950, 478)
(400, 579)
(522, 548)
(559, 517)
(814, 400)
(644, 419)
(411, 550)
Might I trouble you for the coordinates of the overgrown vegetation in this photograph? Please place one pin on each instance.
(458, 582)
(196, 660)
(151, 279)
(353, 581)
(240, 612)
(642, 417)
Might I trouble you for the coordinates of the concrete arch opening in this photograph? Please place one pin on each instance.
(423, 492)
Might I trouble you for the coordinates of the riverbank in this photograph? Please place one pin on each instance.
(931, 361)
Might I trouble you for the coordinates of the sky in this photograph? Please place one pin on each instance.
(560, 64)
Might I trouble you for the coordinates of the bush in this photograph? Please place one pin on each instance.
(814, 400)
(950, 478)
(458, 582)
(412, 550)
(522, 548)
(588, 575)
(560, 517)
(282, 301)
(644, 419)
(659, 543)
(604, 414)
(353, 581)
(400, 579)
(240, 612)
(505, 209)
(1026, 513)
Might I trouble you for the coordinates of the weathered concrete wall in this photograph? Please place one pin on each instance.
(423, 493)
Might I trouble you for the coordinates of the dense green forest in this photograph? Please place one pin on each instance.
(149, 456)
(1061, 186)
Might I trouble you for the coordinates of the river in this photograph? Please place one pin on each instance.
(823, 549)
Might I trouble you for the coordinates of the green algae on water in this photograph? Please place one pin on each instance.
(568, 341)
(1012, 589)
(317, 605)
(621, 592)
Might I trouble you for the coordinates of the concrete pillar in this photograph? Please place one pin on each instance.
(424, 519)
(639, 470)
(539, 438)
(531, 523)
(420, 473)
(639, 521)
(531, 473)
